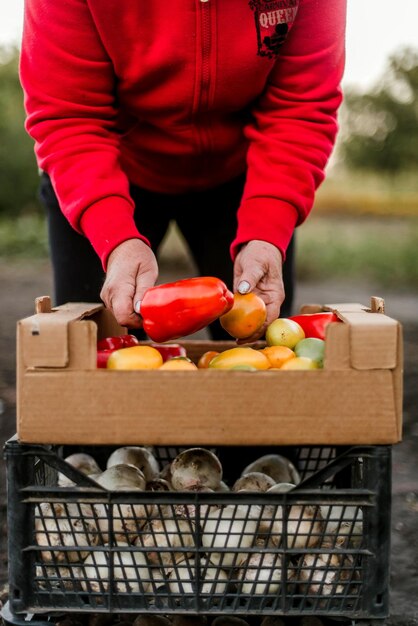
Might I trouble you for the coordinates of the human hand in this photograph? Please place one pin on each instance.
(258, 268)
(131, 270)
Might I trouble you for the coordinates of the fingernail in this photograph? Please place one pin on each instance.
(244, 287)
(137, 307)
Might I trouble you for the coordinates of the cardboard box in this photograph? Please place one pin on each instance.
(62, 398)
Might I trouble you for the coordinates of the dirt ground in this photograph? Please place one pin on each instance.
(21, 283)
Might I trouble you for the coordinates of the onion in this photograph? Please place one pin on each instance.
(196, 467)
(137, 456)
(326, 574)
(130, 570)
(127, 518)
(58, 577)
(158, 484)
(260, 573)
(305, 527)
(122, 477)
(55, 526)
(175, 534)
(345, 523)
(253, 481)
(281, 469)
(189, 511)
(165, 473)
(182, 579)
(82, 462)
(232, 527)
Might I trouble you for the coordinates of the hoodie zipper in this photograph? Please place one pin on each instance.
(204, 7)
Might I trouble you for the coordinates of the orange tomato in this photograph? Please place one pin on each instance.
(178, 363)
(229, 359)
(246, 317)
(206, 358)
(278, 355)
(135, 358)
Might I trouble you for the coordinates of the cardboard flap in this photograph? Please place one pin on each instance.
(44, 337)
(373, 339)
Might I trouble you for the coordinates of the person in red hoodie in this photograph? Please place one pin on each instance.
(218, 114)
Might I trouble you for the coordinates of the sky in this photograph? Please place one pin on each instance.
(375, 29)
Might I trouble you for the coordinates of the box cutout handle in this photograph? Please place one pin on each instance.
(43, 304)
(377, 305)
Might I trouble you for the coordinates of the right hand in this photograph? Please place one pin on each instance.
(131, 269)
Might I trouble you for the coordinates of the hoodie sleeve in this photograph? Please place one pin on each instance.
(294, 126)
(69, 89)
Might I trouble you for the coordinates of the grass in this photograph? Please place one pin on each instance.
(383, 250)
(24, 237)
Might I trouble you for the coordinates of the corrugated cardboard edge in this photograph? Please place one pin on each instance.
(373, 336)
(43, 338)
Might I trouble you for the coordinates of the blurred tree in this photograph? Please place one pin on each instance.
(18, 168)
(380, 128)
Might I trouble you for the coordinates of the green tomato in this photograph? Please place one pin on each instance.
(313, 348)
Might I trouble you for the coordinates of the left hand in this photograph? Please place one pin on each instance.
(260, 265)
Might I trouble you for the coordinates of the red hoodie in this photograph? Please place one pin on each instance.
(180, 96)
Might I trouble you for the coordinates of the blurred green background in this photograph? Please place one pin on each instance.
(364, 225)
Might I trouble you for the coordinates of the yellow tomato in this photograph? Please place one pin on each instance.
(135, 358)
(284, 332)
(206, 358)
(246, 317)
(300, 363)
(179, 363)
(277, 355)
(240, 356)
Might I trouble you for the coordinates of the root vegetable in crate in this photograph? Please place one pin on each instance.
(177, 535)
(82, 462)
(195, 467)
(327, 573)
(260, 574)
(280, 468)
(253, 481)
(183, 579)
(130, 569)
(139, 457)
(58, 577)
(344, 523)
(304, 524)
(127, 518)
(233, 527)
(56, 526)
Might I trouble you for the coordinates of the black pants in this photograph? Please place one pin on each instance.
(207, 221)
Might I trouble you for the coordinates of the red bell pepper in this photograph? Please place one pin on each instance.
(170, 350)
(314, 324)
(177, 309)
(116, 343)
(107, 345)
(102, 357)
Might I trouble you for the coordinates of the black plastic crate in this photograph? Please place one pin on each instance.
(319, 549)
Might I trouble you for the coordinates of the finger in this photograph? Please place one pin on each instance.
(123, 309)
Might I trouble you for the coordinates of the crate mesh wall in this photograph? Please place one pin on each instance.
(319, 549)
